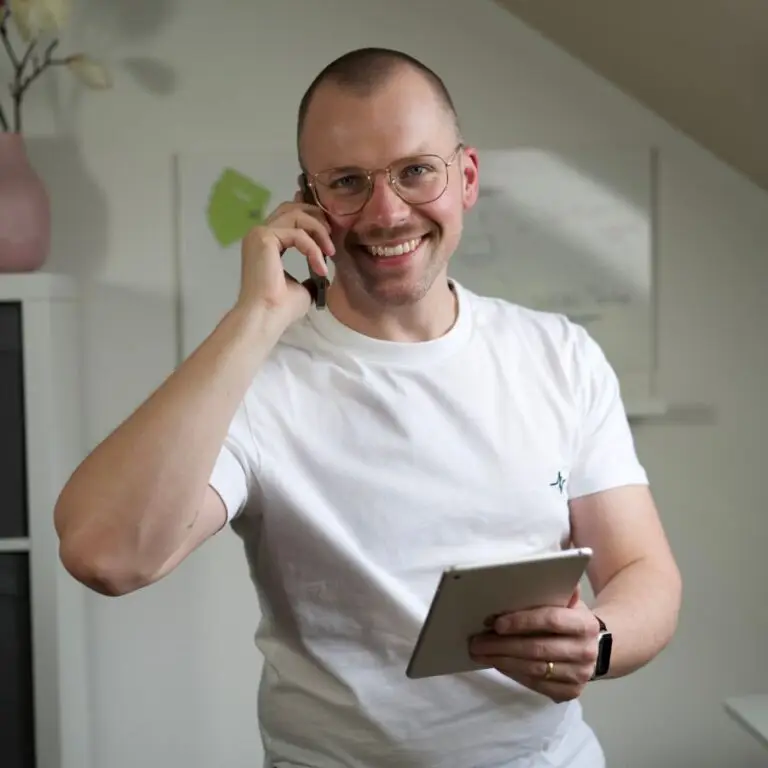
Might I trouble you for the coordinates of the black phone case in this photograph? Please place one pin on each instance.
(319, 282)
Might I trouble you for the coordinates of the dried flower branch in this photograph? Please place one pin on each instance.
(34, 20)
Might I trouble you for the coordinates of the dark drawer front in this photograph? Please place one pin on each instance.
(16, 692)
(13, 469)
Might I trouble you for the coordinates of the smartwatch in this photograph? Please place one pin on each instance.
(604, 645)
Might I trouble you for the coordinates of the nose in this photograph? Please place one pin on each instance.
(385, 208)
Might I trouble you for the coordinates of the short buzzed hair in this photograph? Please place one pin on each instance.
(364, 70)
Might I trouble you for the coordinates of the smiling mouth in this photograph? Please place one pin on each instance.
(398, 249)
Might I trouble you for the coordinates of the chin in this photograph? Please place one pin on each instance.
(398, 290)
(402, 295)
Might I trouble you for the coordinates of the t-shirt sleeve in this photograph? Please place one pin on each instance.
(606, 456)
(235, 467)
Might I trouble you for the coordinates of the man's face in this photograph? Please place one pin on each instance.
(401, 119)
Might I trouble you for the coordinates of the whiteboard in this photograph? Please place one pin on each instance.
(571, 231)
(568, 230)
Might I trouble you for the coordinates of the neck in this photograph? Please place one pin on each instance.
(429, 318)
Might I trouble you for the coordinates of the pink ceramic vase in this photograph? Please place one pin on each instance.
(25, 218)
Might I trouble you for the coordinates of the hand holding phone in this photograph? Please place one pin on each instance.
(264, 281)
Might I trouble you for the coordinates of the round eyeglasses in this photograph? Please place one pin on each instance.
(418, 180)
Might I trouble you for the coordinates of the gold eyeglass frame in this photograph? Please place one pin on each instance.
(312, 180)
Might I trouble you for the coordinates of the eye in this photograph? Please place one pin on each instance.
(341, 181)
(417, 169)
(348, 183)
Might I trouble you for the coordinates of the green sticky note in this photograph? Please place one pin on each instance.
(236, 204)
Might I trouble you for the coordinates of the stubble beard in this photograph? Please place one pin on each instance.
(398, 289)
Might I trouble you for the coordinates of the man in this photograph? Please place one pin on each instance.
(360, 449)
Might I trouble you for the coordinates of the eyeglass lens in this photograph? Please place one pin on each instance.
(417, 180)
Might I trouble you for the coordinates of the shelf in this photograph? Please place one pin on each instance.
(37, 286)
(662, 411)
(751, 713)
(640, 409)
(8, 546)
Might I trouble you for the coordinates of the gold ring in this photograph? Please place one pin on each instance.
(550, 670)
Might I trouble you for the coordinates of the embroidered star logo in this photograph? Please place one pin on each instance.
(559, 482)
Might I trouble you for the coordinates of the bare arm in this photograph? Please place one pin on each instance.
(633, 573)
(140, 502)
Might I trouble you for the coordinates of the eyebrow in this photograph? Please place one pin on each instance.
(343, 168)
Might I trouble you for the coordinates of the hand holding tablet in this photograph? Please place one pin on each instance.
(459, 635)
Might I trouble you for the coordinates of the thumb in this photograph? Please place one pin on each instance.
(575, 597)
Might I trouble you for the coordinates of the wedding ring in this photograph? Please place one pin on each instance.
(550, 670)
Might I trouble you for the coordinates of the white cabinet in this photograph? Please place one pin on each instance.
(44, 709)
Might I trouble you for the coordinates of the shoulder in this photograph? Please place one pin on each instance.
(565, 375)
(300, 359)
(546, 343)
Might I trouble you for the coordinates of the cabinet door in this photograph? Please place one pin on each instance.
(13, 470)
(16, 693)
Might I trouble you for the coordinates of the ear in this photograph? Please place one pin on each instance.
(305, 194)
(470, 177)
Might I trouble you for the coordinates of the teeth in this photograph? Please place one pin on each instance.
(395, 250)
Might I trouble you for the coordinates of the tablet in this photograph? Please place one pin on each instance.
(467, 596)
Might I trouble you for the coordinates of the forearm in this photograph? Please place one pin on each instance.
(640, 607)
(133, 499)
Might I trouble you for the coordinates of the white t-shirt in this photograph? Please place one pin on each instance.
(356, 470)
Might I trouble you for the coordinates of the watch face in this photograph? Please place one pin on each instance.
(604, 654)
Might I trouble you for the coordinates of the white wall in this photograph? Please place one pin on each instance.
(173, 673)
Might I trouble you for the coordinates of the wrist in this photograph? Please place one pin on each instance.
(258, 322)
(604, 650)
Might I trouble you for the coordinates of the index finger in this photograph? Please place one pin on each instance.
(312, 209)
(546, 620)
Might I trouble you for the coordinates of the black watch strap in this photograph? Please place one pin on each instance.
(604, 647)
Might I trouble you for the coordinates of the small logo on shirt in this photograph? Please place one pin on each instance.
(559, 483)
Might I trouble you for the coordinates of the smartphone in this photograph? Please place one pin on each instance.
(319, 282)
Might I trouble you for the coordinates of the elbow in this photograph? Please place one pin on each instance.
(674, 581)
(677, 581)
(671, 587)
(98, 570)
(89, 556)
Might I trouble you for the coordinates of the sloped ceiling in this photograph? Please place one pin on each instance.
(702, 65)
